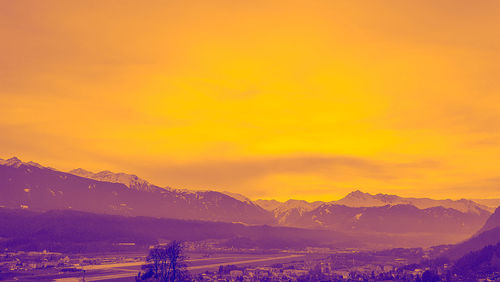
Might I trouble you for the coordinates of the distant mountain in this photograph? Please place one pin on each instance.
(239, 197)
(360, 199)
(390, 219)
(288, 211)
(360, 211)
(34, 187)
(492, 203)
(272, 205)
(15, 162)
(269, 205)
(292, 210)
(130, 180)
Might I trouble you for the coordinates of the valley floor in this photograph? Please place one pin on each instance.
(127, 271)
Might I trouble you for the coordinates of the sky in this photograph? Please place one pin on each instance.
(271, 99)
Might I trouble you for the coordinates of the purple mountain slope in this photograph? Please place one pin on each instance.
(130, 180)
(391, 219)
(489, 234)
(34, 187)
(365, 212)
(361, 199)
(492, 222)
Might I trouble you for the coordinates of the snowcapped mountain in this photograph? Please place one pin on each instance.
(15, 162)
(238, 197)
(288, 211)
(346, 212)
(28, 185)
(391, 219)
(34, 187)
(299, 204)
(268, 205)
(492, 203)
(360, 199)
(360, 212)
(130, 180)
(82, 172)
(272, 205)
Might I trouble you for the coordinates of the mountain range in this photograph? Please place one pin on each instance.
(391, 219)
(129, 180)
(34, 187)
(361, 199)
(364, 211)
(31, 186)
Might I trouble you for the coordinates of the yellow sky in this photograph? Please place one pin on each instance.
(271, 99)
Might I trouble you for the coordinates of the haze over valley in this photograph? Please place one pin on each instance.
(249, 141)
(33, 187)
(81, 212)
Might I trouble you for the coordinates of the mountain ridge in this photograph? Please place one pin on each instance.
(492, 222)
(284, 211)
(32, 186)
(130, 180)
(361, 199)
(37, 188)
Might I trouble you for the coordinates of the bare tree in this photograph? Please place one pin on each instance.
(165, 263)
(177, 262)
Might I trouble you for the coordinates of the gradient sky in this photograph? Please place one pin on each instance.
(271, 99)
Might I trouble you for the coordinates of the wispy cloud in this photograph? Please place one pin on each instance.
(223, 173)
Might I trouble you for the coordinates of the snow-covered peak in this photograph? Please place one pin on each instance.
(130, 180)
(238, 197)
(299, 205)
(355, 195)
(269, 205)
(15, 162)
(30, 163)
(280, 207)
(360, 199)
(296, 204)
(81, 172)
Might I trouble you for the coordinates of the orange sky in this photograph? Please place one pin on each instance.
(271, 99)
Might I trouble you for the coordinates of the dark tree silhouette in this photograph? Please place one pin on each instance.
(176, 268)
(430, 276)
(165, 263)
